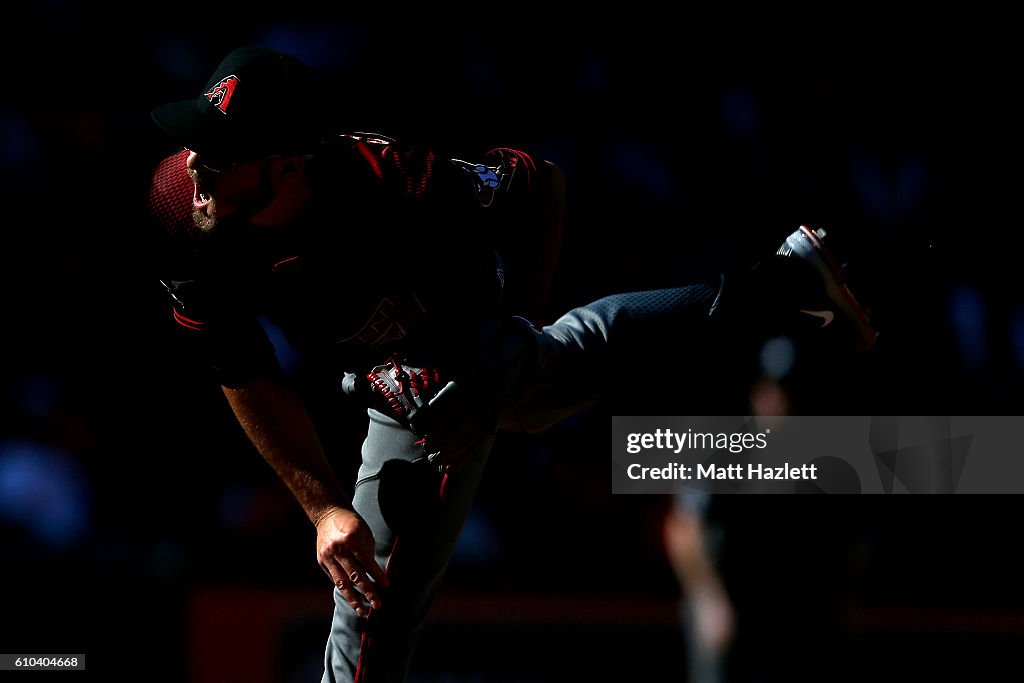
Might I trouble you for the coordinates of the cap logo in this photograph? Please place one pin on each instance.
(220, 94)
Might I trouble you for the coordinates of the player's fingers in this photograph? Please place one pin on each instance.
(345, 585)
(360, 584)
(366, 559)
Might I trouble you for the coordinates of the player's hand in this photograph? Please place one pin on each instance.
(344, 550)
(502, 362)
(456, 419)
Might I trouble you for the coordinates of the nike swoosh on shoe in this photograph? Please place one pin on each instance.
(826, 316)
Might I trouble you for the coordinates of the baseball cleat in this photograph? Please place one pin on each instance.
(841, 306)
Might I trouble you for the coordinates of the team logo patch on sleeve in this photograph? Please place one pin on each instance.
(220, 94)
(486, 179)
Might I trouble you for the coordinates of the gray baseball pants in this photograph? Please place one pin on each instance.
(416, 512)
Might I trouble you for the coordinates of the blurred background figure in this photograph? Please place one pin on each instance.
(706, 612)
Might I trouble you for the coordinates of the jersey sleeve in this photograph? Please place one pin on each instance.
(525, 196)
(207, 305)
(501, 177)
(229, 338)
(504, 176)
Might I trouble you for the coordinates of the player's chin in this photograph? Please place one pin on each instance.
(206, 218)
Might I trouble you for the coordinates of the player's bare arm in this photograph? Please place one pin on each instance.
(279, 426)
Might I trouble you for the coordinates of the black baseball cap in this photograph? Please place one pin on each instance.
(258, 102)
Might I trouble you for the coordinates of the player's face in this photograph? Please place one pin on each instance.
(238, 191)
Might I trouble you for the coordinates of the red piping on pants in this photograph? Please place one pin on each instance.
(364, 642)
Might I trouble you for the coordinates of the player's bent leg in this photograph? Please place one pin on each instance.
(416, 513)
(801, 291)
(587, 351)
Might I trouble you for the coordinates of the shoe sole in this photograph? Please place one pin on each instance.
(809, 245)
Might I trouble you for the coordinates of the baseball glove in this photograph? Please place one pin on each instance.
(451, 413)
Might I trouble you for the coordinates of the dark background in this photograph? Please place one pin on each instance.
(138, 526)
